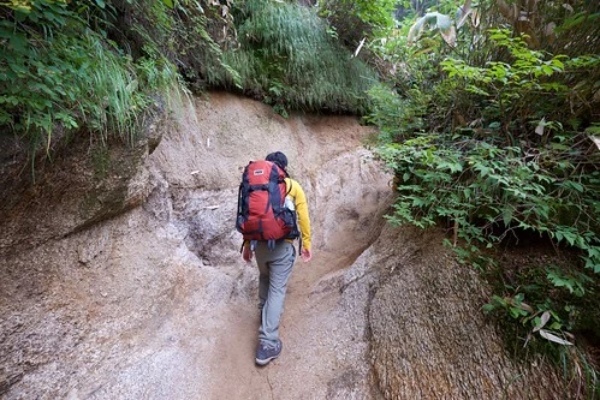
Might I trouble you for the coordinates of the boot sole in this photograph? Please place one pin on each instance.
(265, 361)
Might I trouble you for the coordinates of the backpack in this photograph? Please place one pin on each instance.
(262, 214)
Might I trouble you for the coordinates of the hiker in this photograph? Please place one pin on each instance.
(275, 259)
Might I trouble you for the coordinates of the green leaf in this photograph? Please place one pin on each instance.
(487, 308)
(507, 216)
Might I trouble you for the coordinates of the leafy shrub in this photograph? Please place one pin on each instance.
(482, 187)
(356, 20)
(508, 88)
(495, 138)
(58, 76)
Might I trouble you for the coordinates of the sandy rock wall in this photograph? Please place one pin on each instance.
(80, 184)
(155, 302)
(429, 336)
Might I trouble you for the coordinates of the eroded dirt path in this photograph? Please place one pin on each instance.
(324, 340)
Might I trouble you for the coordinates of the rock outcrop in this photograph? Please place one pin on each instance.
(147, 296)
(80, 184)
(429, 337)
(126, 282)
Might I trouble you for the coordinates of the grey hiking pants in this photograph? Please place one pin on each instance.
(275, 267)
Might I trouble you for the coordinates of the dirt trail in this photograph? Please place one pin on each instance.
(320, 343)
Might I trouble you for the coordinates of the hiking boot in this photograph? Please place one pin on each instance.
(266, 352)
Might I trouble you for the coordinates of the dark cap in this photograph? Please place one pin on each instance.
(278, 158)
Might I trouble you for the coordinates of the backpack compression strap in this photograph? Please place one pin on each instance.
(274, 193)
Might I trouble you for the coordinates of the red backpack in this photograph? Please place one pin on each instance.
(261, 212)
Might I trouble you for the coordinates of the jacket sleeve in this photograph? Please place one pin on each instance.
(297, 193)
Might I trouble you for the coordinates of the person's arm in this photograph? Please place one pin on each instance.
(246, 251)
(301, 204)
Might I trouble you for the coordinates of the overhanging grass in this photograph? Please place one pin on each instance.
(289, 56)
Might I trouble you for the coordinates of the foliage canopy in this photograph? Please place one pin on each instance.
(96, 67)
(495, 134)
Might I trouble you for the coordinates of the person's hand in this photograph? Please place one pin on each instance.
(247, 254)
(306, 255)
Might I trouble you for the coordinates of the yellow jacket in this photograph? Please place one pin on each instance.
(296, 193)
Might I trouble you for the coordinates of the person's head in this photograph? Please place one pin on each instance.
(278, 158)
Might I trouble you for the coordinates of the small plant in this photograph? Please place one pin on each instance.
(537, 320)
